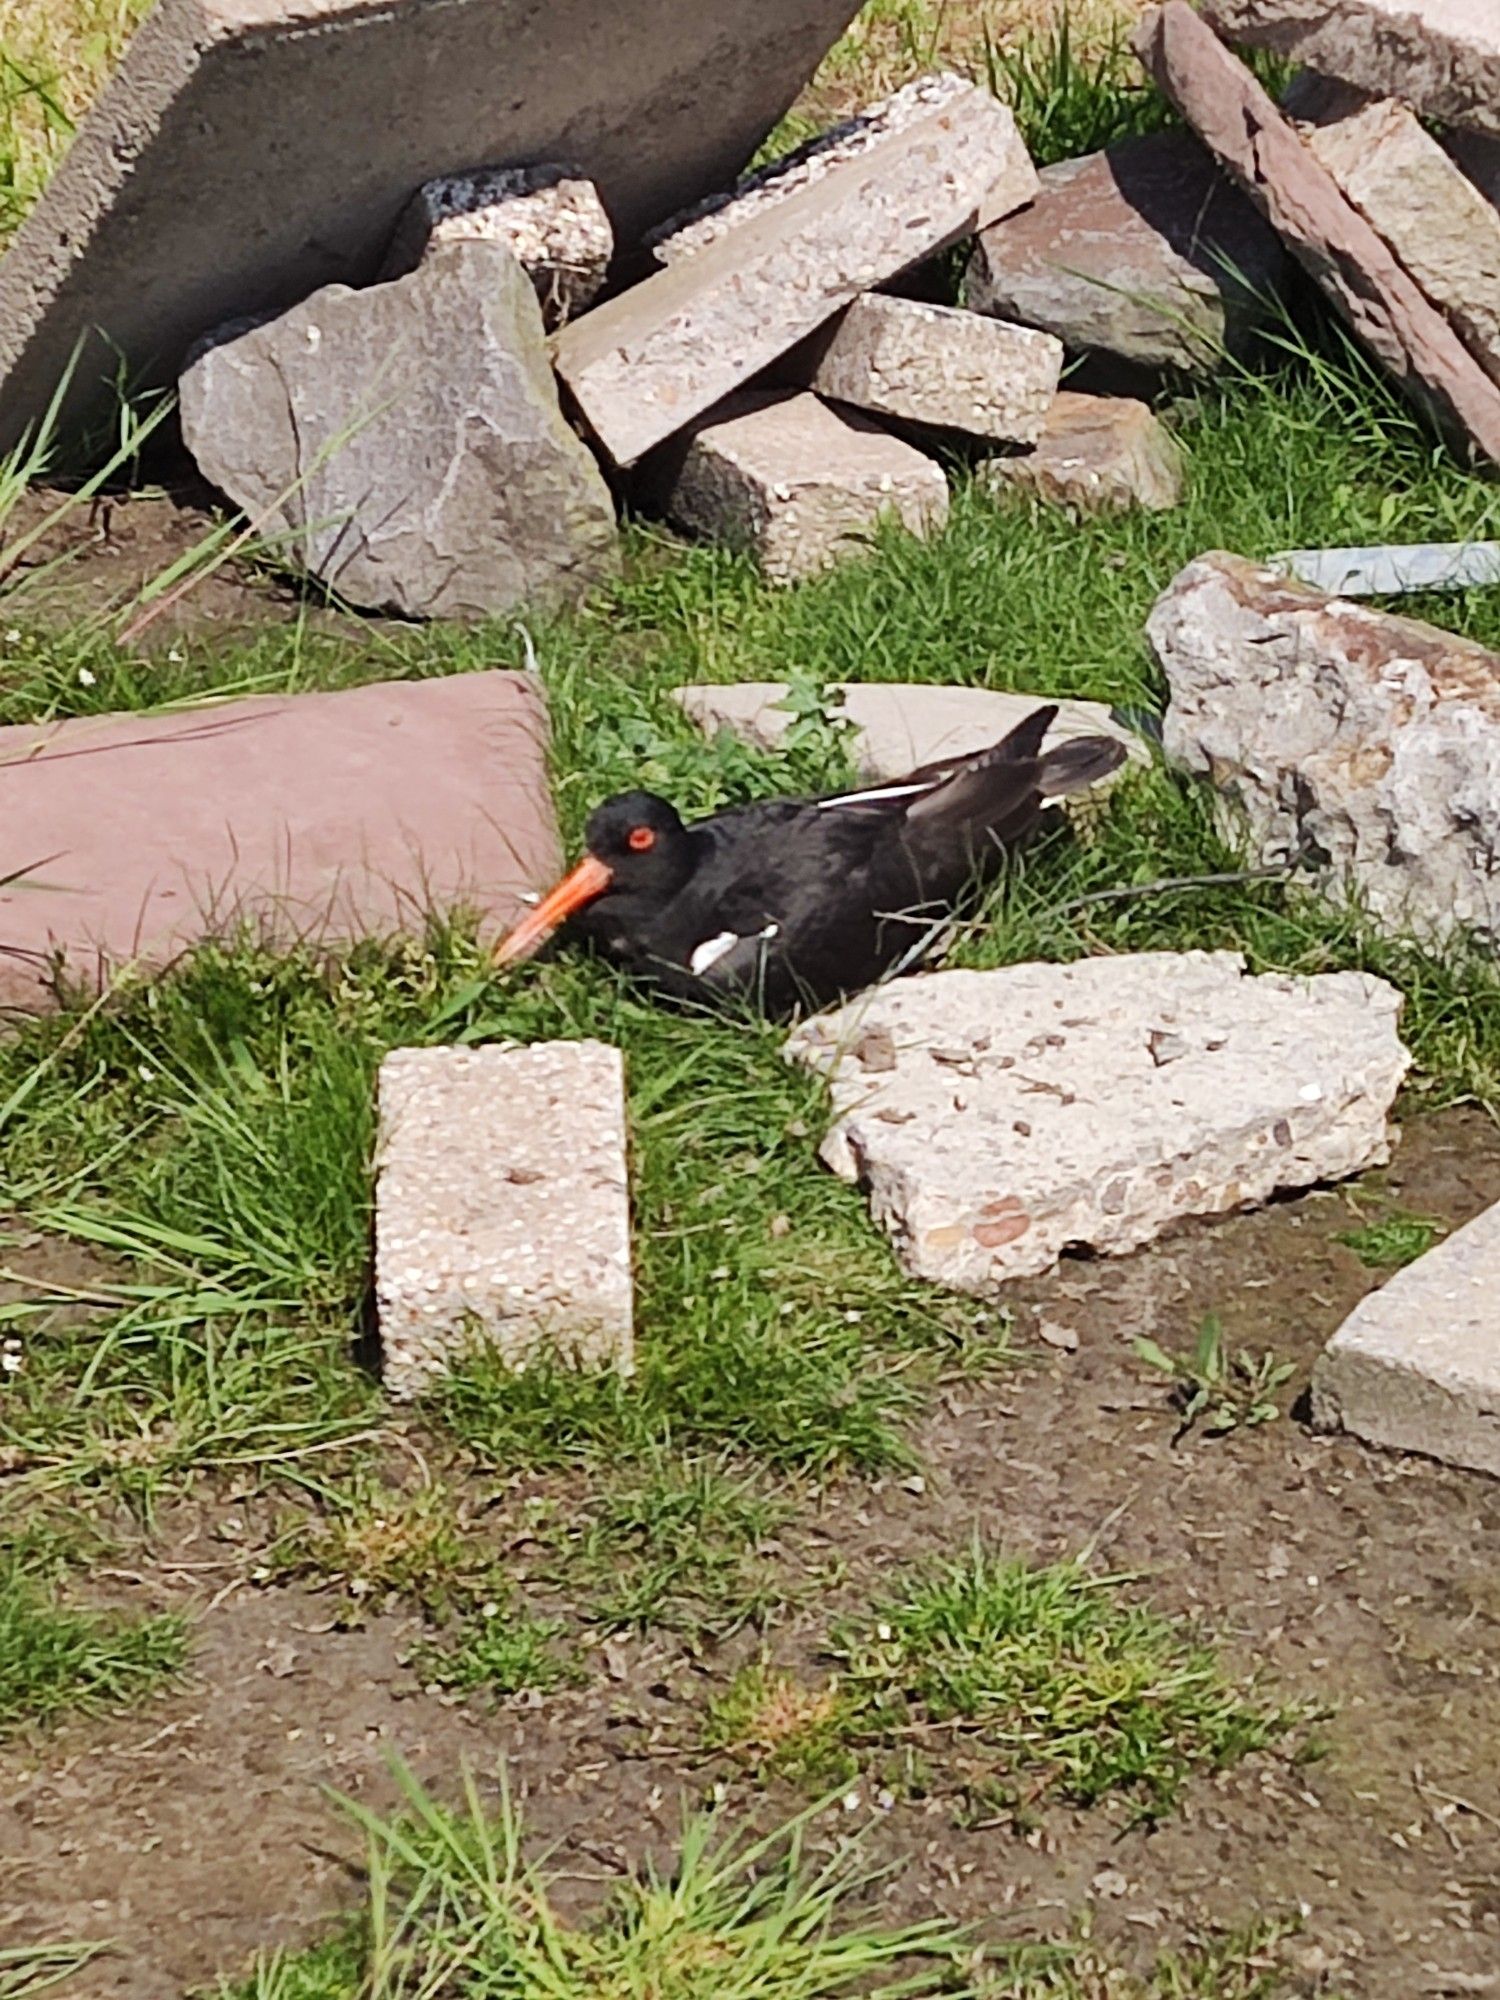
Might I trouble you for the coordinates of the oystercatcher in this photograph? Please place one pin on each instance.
(790, 903)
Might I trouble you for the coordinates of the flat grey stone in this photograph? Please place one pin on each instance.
(405, 443)
(1394, 569)
(647, 363)
(1416, 1365)
(502, 1209)
(1144, 251)
(998, 1119)
(937, 366)
(248, 152)
(1365, 742)
(1095, 455)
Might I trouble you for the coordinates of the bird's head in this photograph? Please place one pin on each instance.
(635, 844)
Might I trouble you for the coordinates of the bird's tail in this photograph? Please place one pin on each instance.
(1077, 764)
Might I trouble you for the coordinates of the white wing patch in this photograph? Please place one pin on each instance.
(879, 792)
(707, 955)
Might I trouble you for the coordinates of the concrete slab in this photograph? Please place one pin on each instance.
(307, 816)
(1096, 454)
(1416, 1366)
(1393, 570)
(502, 1209)
(250, 151)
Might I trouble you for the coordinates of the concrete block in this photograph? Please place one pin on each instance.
(1416, 1365)
(645, 364)
(250, 151)
(1395, 570)
(937, 366)
(502, 1209)
(310, 816)
(549, 218)
(1096, 454)
(797, 483)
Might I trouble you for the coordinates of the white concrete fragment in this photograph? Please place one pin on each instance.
(937, 366)
(1395, 570)
(1096, 454)
(998, 1119)
(1416, 1365)
(798, 484)
(502, 1208)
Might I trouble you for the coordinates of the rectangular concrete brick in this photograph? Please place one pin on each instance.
(502, 1209)
(642, 366)
(250, 151)
(1416, 1365)
(937, 366)
(796, 483)
(329, 817)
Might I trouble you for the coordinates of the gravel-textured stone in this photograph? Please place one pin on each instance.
(1365, 742)
(797, 483)
(1364, 279)
(645, 364)
(1096, 454)
(1440, 56)
(1144, 251)
(1416, 1366)
(407, 442)
(937, 366)
(549, 218)
(997, 1119)
(502, 1208)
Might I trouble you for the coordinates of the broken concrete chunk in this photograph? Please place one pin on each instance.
(1440, 56)
(1047, 1107)
(310, 817)
(1393, 571)
(938, 367)
(247, 154)
(1144, 251)
(1096, 454)
(644, 365)
(408, 443)
(549, 218)
(1366, 743)
(1417, 199)
(502, 1209)
(898, 726)
(682, 235)
(1416, 1365)
(798, 484)
(1363, 278)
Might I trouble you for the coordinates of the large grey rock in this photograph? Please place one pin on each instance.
(407, 442)
(502, 1209)
(642, 366)
(1440, 56)
(1362, 277)
(997, 1119)
(251, 151)
(1418, 199)
(1416, 1365)
(1095, 455)
(1367, 743)
(1144, 251)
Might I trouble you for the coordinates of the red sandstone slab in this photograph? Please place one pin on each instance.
(319, 816)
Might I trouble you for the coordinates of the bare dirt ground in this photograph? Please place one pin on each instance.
(197, 1829)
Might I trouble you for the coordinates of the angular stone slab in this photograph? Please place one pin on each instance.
(1393, 571)
(642, 366)
(1096, 455)
(1368, 743)
(1144, 251)
(1382, 303)
(798, 484)
(250, 151)
(1416, 1365)
(502, 1209)
(308, 816)
(405, 445)
(937, 366)
(1420, 202)
(899, 725)
(997, 1119)
(549, 218)
(1440, 56)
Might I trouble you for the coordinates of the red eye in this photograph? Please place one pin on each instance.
(640, 838)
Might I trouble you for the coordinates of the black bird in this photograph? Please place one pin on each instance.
(788, 903)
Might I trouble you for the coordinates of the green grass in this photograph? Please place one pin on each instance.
(1225, 1389)
(1393, 1240)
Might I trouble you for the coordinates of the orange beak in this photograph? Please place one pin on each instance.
(589, 879)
